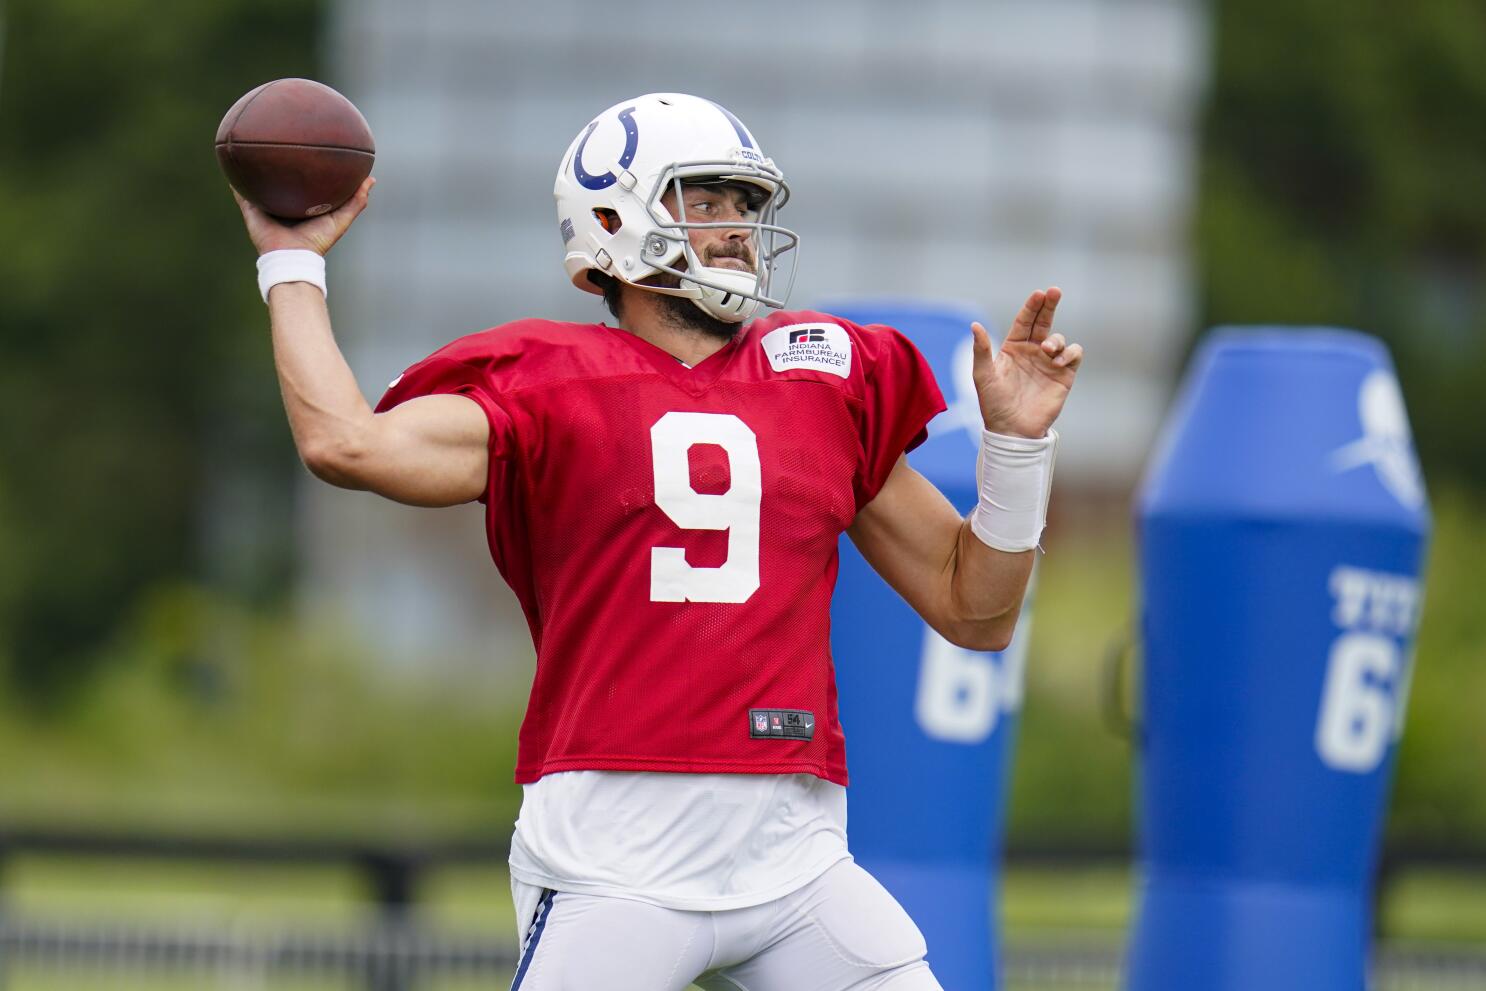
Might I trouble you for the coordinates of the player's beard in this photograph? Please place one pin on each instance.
(683, 313)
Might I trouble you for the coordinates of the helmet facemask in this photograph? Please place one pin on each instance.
(726, 294)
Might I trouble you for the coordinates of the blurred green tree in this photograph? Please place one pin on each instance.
(1343, 155)
(131, 345)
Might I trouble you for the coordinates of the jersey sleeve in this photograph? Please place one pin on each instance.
(440, 375)
(901, 398)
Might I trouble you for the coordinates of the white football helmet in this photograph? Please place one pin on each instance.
(619, 167)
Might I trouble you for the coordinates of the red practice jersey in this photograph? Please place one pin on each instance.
(671, 532)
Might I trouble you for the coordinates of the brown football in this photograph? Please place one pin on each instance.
(295, 147)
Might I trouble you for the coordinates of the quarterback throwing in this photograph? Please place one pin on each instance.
(665, 494)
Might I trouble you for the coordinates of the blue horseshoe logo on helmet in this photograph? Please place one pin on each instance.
(631, 142)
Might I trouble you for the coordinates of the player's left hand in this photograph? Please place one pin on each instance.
(1022, 386)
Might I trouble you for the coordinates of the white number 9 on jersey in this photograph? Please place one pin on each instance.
(736, 510)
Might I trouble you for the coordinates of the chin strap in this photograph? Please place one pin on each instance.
(728, 303)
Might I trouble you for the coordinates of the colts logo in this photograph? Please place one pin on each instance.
(626, 157)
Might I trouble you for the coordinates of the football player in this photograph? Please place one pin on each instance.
(664, 494)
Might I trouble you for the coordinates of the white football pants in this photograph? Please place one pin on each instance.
(841, 931)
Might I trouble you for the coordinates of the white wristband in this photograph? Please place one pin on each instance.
(290, 265)
(1015, 476)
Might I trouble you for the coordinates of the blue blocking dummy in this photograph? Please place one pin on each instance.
(929, 726)
(1282, 528)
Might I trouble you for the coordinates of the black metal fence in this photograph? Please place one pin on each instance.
(386, 956)
(81, 954)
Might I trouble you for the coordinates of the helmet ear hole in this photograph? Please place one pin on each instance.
(608, 219)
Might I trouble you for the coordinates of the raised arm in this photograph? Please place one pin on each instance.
(946, 566)
(430, 451)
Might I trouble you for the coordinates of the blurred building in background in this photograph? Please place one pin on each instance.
(953, 150)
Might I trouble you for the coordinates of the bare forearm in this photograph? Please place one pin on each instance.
(968, 592)
(327, 412)
(986, 587)
(976, 596)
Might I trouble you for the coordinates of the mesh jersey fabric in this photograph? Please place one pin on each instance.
(624, 570)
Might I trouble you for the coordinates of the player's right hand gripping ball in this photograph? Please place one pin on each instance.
(295, 147)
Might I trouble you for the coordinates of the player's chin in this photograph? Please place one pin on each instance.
(684, 311)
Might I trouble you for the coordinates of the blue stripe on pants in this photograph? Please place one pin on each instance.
(543, 908)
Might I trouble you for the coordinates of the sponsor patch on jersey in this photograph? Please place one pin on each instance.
(820, 347)
(781, 724)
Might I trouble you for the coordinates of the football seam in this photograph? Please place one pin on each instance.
(238, 119)
(229, 143)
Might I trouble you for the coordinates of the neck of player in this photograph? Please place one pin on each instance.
(674, 324)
